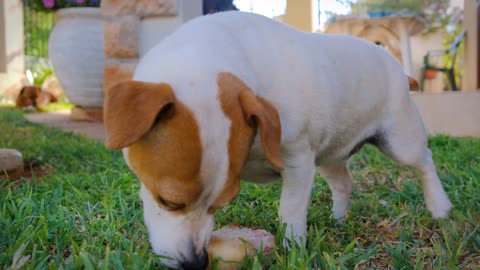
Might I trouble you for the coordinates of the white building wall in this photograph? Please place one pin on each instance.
(11, 46)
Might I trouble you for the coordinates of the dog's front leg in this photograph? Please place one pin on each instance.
(298, 177)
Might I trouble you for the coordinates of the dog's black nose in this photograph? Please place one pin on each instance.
(197, 262)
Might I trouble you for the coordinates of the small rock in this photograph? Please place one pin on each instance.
(233, 243)
(11, 163)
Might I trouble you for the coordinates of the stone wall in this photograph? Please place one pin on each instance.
(11, 47)
(450, 113)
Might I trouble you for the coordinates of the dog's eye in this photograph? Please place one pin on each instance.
(171, 206)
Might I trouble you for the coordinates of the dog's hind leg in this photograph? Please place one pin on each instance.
(405, 141)
(340, 182)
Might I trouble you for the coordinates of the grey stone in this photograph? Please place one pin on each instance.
(11, 162)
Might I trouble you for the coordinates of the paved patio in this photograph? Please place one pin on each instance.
(61, 119)
(452, 113)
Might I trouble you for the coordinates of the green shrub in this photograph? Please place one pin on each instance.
(37, 28)
(37, 69)
(47, 5)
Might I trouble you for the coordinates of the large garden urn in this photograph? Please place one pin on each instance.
(75, 49)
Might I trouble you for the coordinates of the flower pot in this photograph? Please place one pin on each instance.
(375, 14)
(430, 74)
(75, 49)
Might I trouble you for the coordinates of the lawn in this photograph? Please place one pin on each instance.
(86, 214)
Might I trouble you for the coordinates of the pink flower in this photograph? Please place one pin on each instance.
(80, 1)
(439, 7)
(48, 3)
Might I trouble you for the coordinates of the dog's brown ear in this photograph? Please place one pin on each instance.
(413, 84)
(24, 88)
(261, 113)
(19, 102)
(131, 108)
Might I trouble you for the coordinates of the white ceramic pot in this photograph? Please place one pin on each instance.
(75, 49)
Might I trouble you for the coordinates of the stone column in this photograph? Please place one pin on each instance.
(121, 48)
(122, 21)
(12, 69)
(470, 53)
(300, 14)
(133, 27)
(3, 52)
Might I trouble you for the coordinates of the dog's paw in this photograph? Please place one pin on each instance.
(338, 221)
(288, 243)
(440, 209)
(294, 235)
(339, 213)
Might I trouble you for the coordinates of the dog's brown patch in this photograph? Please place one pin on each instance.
(165, 151)
(413, 84)
(33, 96)
(168, 158)
(262, 113)
(27, 96)
(241, 135)
(131, 109)
(243, 108)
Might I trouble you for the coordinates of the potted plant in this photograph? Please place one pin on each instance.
(430, 74)
(52, 5)
(382, 8)
(75, 48)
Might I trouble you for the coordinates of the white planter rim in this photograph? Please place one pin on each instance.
(83, 12)
(77, 55)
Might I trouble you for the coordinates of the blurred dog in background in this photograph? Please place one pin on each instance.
(31, 97)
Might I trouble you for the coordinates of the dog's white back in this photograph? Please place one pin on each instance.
(304, 75)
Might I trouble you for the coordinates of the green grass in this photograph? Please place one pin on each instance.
(55, 106)
(86, 214)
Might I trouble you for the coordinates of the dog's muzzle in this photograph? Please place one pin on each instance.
(196, 262)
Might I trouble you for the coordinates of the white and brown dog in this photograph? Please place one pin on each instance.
(236, 95)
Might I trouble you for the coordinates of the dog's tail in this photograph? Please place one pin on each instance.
(413, 84)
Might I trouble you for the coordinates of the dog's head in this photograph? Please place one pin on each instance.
(189, 158)
(28, 96)
(33, 97)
